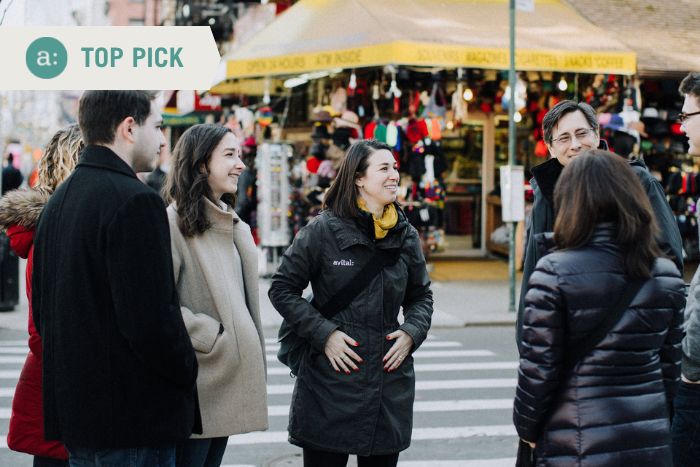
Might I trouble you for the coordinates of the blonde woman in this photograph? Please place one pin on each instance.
(19, 214)
(216, 274)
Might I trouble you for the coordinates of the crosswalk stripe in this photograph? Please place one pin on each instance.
(419, 434)
(503, 462)
(13, 343)
(427, 385)
(14, 350)
(277, 389)
(429, 406)
(6, 359)
(425, 367)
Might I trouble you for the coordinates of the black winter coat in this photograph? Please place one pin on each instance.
(119, 369)
(542, 220)
(613, 409)
(367, 412)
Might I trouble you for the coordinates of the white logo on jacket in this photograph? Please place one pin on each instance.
(343, 262)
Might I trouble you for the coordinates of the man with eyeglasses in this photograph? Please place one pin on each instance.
(685, 431)
(571, 128)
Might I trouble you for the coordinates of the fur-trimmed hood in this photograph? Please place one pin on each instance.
(21, 207)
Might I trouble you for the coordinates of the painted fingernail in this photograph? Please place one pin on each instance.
(356, 343)
(388, 338)
(347, 372)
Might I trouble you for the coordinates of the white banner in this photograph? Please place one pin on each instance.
(525, 5)
(110, 57)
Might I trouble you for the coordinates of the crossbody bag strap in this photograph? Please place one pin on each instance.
(345, 296)
(583, 347)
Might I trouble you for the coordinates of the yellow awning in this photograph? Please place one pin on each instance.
(316, 35)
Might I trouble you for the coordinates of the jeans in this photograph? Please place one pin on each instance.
(314, 458)
(205, 452)
(685, 430)
(161, 456)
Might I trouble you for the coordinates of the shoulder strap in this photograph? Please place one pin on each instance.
(345, 296)
(584, 346)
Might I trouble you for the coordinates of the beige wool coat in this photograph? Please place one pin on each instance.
(216, 274)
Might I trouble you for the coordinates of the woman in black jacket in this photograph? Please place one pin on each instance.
(355, 388)
(613, 409)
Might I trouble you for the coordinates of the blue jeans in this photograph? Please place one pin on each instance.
(203, 452)
(685, 430)
(161, 456)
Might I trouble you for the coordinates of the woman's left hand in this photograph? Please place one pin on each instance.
(403, 343)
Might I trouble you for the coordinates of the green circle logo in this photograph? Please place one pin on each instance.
(46, 57)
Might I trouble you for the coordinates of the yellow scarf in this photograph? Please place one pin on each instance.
(384, 224)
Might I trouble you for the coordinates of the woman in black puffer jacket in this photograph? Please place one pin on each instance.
(614, 408)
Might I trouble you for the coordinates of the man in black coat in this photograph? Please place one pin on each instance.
(119, 370)
(571, 128)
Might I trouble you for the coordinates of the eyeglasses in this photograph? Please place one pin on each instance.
(682, 117)
(581, 134)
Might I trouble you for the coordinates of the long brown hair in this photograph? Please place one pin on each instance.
(186, 184)
(599, 186)
(341, 197)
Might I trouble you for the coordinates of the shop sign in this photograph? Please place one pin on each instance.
(429, 54)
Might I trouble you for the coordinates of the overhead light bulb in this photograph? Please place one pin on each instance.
(468, 94)
(563, 85)
(517, 118)
(450, 125)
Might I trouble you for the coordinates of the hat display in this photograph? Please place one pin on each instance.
(320, 131)
(347, 119)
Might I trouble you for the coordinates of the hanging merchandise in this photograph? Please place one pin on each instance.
(392, 134)
(459, 105)
(339, 100)
(436, 103)
(246, 119)
(264, 116)
(369, 129)
(380, 132)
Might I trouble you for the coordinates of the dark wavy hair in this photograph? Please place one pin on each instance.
(599, 186)
(186, 184)
(341, 197)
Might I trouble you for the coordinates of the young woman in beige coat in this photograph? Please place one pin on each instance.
(216, 273)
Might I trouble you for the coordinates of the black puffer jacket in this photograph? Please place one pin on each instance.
(542, 219)
(613, 409)
(367, 412)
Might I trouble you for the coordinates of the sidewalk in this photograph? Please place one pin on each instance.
(457, 303)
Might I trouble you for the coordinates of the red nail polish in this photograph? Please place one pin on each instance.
(347, 372)
(356, 343)
(388, 338)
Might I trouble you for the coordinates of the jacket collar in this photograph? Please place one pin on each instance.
(603, 233)
(220, 219)
(102, 157)
(360, 230)
(546, 175)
